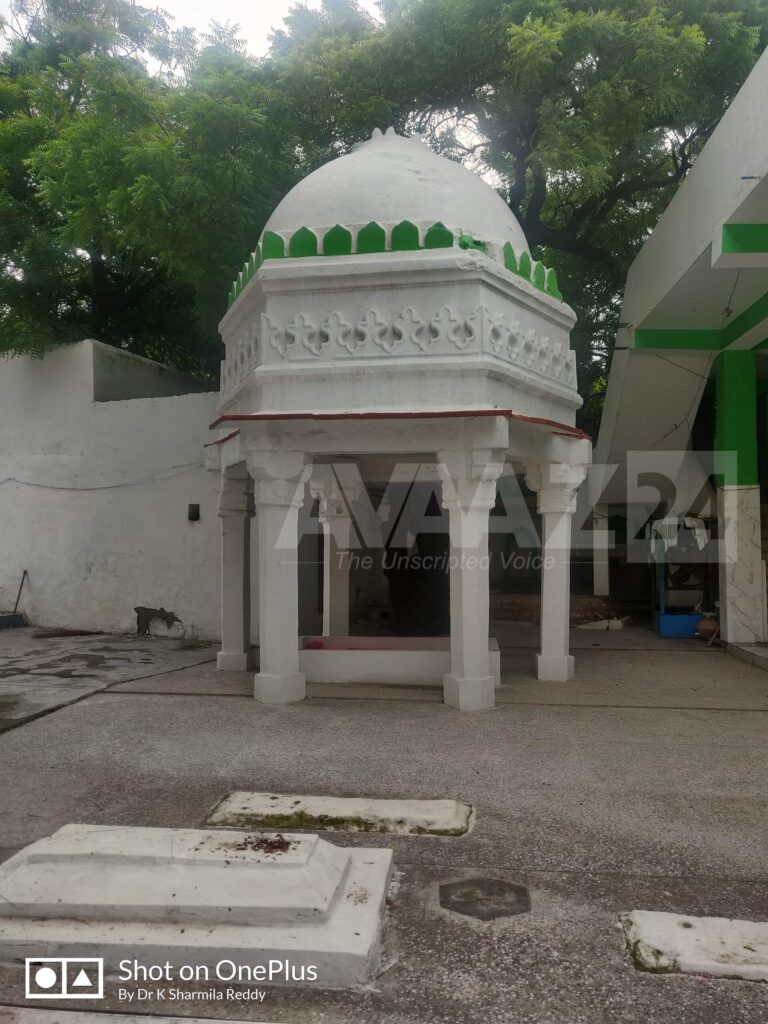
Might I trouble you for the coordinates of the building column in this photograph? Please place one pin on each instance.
(741, 568)
(600, 552)
(338, 533)
(236, 511)
(469, 493)
(556, 484)
(278, 500)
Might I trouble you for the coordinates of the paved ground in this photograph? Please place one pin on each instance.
(15, 1015)
(39, 672)
(642, 784)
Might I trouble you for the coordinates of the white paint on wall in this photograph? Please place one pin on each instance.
(94, 495)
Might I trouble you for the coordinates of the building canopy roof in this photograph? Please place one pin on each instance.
(697, 288)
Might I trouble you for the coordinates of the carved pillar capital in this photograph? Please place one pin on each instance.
(279, 478)
(469, 477)
(285, 493)
(236, 495)
(556, 484)
(325, 488)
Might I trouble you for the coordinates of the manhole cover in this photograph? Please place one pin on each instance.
(485, 898)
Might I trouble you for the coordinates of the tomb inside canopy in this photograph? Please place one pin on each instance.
(391, 310)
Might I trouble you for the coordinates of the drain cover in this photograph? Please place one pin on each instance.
(485, 898)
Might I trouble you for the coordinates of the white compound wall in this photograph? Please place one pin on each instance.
(94, 495)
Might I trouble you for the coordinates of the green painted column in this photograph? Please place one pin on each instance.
(736, 416)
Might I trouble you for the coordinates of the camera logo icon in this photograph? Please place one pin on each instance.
(55, 977)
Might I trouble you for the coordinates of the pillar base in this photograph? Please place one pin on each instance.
(469, 694)
(236, 661)
(268, 689)
(554, 668)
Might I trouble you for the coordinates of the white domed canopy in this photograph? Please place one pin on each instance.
(389, 179)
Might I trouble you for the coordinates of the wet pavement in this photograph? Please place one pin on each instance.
(40, 671)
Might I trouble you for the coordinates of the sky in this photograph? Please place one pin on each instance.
(256, 18)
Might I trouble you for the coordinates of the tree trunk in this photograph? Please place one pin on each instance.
(100, 293)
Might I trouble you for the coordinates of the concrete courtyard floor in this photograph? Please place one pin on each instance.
(641, 784)
(44, 669)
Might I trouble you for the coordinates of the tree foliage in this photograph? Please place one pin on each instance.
(128, 199)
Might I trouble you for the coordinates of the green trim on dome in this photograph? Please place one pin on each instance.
(552, 287)
(250, 267)
(438, 237)
(405, 237)
(372, 238)
(337, 242)
(468, 242)
(272, 246)
(510, 261)
(303, 243)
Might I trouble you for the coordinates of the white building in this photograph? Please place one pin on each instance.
(694, 331)
(391, 312)
(390, 330)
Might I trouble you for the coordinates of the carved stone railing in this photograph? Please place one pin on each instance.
(339, 337)
(243, 355)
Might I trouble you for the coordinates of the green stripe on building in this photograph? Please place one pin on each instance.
(745, 238)
(736, 413)
(707, 340)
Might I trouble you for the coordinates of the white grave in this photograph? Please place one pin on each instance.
(194, 896)
(680, 943)
(345, 814)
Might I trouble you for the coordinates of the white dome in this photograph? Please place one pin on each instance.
(389, 179)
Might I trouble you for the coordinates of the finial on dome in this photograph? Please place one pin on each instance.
(389, 133)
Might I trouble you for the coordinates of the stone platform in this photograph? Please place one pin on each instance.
(717, 947)
(390, 660)
(194, 896)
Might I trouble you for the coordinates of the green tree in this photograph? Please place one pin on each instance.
(587, 114)
(128, 200)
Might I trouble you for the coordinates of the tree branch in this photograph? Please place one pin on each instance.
(536, 202)
(562, 238)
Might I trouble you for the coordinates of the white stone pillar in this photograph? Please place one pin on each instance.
(338, 533)
(278, 501)
(556, 484)
(600, 552)
(469, 493)
(742, 582)
(236, 511)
